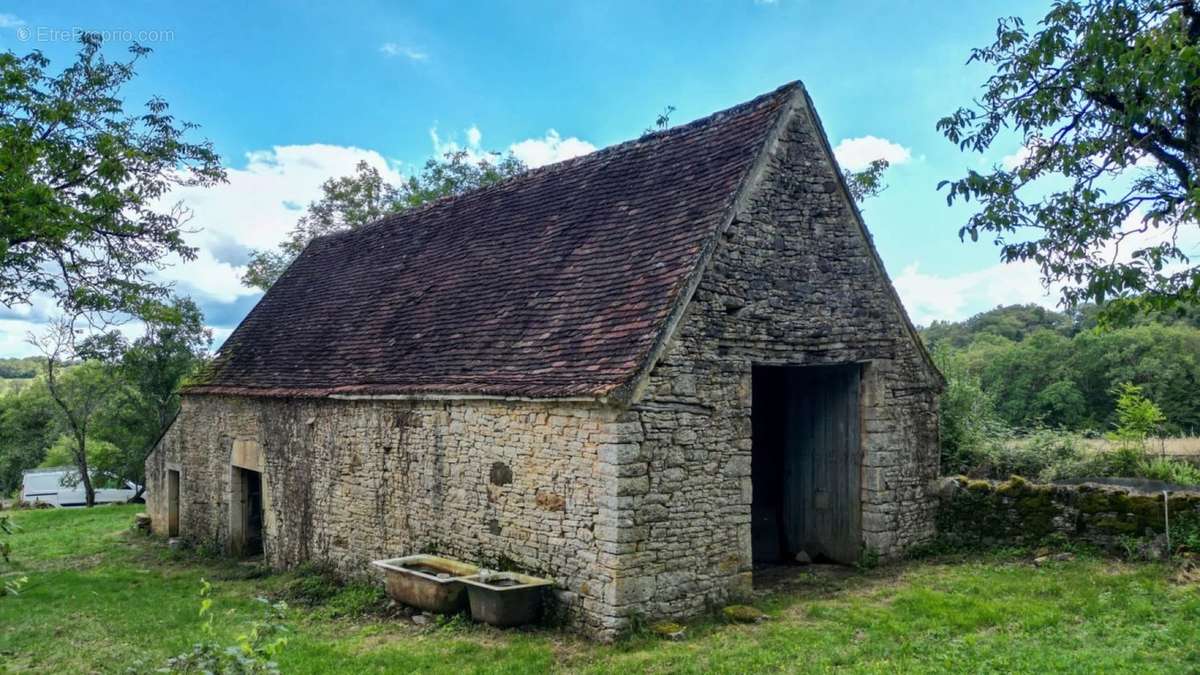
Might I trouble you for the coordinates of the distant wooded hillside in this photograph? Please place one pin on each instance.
(1043, 368)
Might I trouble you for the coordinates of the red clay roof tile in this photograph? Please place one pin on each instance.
(552, 284)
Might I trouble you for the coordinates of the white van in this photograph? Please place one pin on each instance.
(61, 486)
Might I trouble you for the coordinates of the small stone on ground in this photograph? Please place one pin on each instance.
(744, 614)
(669, 630)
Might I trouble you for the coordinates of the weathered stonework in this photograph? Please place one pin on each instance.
(352, 481)
(1017, 512)
(637, 505)
(793, 281)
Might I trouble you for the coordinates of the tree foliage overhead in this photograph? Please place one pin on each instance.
(1106, 97)
(350, 202)
(82, 182)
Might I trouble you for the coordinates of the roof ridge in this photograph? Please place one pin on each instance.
(562, 165)
(550, 284)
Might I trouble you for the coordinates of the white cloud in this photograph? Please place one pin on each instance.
(1010, 162)
(534, 152)
(954, 297)
(856, 154)
(549, 149)
(391, 49)
(11, 21)
(255, 210)
(444, 146)
(14, 337)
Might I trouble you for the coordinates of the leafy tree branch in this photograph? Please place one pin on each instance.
(82, 182)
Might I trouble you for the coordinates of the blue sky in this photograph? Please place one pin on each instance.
(292, 93)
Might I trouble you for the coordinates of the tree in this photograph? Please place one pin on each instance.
(866, 183)
(174, 347)
(350, 202)
(80, 392)
(1106, 98)
(82, 181)
(27, 426)
(1137, 416)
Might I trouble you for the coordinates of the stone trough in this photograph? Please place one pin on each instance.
(427, 582)
(505, 598)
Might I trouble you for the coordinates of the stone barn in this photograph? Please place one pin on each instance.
(641, 373)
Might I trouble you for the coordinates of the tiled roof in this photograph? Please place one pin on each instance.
(556, 283)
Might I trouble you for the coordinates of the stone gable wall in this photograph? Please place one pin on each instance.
(639, 512)
(792, 282)
(522, 485)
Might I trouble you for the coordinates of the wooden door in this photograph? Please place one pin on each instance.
(822, 463)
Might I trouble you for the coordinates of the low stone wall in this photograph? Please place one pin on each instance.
(1017, 512)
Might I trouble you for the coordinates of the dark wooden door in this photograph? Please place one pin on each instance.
(822, 463)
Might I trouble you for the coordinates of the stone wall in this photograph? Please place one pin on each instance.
(1017, 512)
(521, 485)
(793, 281)
(638, 512)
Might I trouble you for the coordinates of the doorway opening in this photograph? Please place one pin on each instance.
(246, 513)
(806, 463)
(172, 503)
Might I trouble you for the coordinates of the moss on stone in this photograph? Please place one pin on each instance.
(1014, 486)
(1117, 525)
(1036, 512)
(1145, 507)
(979, 486)
(743, 614)
(1090, 501)
(668, 630)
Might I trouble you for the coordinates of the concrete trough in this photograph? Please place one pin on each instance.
(427, 582)
(506, 598)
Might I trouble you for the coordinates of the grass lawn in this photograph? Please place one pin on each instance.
(101, 599)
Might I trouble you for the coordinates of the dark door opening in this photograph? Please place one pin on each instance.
(254, 514)
(172, 503)
(246, 532)
(806, 463)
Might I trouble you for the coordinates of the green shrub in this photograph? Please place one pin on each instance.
(322, 590)
(1044, 454)
(969, 425)
(254, 652)
(312, 585)
(1169, 470)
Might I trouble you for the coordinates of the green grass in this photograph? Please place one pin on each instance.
(102, 599)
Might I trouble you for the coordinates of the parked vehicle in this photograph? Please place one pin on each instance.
(60, 486)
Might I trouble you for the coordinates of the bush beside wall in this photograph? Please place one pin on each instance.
(1018, 512)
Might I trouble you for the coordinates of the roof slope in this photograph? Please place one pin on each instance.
(553, 284)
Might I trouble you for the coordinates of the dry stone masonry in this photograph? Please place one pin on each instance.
(635, 499)
(1017, 512)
